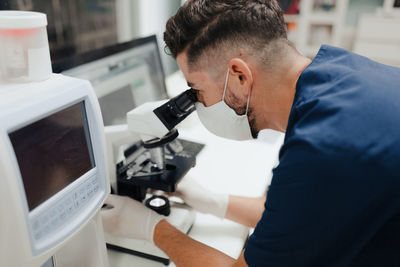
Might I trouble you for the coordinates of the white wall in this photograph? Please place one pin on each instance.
(153, 15)
(139, 18)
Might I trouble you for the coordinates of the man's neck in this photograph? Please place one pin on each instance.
(276, 97)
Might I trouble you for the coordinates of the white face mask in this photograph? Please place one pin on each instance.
(223, 121)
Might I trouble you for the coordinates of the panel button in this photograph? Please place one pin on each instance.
(36, 225)
(68, 201)
(69, 209)
(38, 235)
(44, 219)
(77, 203)
(53, 213)
(81, 190)
(60, 207)
(63, 216)
(54, 222)
(46, 229)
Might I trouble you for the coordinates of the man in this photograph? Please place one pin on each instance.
(334, 199)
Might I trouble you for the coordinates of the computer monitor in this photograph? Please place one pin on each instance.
(52, 168)
(123, 76)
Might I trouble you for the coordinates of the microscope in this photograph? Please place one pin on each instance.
(157, 161)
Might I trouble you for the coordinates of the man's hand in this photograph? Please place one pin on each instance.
(129, 218)
(202, 199)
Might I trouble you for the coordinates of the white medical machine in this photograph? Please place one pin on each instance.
(53, 175)
(124, 77)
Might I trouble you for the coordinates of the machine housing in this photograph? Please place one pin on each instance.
(60, 225)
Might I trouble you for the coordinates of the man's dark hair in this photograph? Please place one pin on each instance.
(200, 25)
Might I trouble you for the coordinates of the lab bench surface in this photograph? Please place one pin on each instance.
(224, 166)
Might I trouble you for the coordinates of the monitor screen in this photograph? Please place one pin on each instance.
(123, 76)
(53, 152)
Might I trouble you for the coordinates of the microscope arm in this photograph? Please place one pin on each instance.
(116, 136)
(143, 121)
(156, 119)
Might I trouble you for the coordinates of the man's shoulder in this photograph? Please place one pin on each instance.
(335, 69)
(343, 108)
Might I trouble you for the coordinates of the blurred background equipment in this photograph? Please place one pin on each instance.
(378, 34)
(311, 23)
(368, 27)
(73, 26)
(290, 6)
(123, 75)
(78, 26)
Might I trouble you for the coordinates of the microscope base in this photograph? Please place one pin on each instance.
(182, 217)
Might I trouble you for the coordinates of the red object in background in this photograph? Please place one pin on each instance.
(294, 8)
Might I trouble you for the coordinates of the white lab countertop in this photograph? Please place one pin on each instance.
(224, 166)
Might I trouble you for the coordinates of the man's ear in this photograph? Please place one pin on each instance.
(242, 76)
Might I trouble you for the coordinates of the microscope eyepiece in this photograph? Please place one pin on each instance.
(177, 108)
(182, 103)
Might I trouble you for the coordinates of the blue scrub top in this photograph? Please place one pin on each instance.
(334, 198)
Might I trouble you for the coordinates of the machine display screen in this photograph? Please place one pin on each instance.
(53, 152)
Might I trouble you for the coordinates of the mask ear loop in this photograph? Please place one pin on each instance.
(248, 101)
(248, 98)
(226, 85)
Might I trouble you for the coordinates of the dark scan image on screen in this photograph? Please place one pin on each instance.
(53, 152)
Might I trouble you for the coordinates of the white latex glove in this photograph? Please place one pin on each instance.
(129, 218)
(202, 199)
